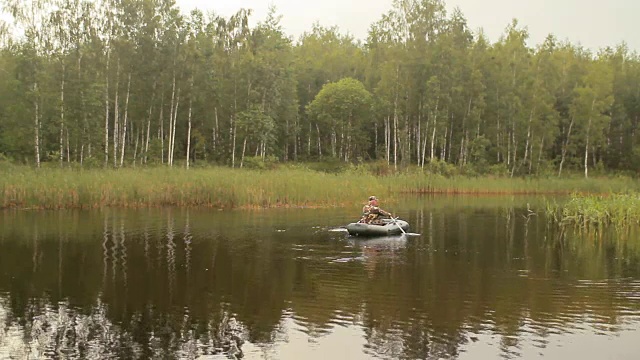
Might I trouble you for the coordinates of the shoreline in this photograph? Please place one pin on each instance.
(225, 188)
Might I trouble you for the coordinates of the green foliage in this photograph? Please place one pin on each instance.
(154, 155)
(92, 163)
(257, 162)
(380, 168)
(255, 124)
(328, 165)
(344, 107)
(498, 170)
(5, 164)
(422, 90)
(440, 167)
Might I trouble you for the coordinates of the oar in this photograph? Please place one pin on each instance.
(396, 222)
(339, 229)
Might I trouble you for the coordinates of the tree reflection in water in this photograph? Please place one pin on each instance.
(186, 284)
(46, 330)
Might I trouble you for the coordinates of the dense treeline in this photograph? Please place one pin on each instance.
(133, 82)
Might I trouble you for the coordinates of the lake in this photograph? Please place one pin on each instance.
(484, 279)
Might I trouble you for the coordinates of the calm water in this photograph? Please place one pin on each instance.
(482, 281)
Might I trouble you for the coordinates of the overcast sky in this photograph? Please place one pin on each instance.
(605, 23)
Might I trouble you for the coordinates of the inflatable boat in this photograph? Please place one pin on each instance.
(388, 227)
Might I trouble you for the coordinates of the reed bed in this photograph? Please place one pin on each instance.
(591, 211)
(217, 187)
(222, 187)
(433, 184)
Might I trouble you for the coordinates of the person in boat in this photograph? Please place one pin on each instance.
(372, 213)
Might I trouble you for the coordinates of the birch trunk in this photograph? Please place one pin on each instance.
(146, 145)
(62, 115)
(173, 131)
(443, 150)
(539, 155)
(526, 147)
(116, 130)
(244, 147)
(173, 99)
(189, 126)
(515, 149)
(85, 121)
(334, 143)
(586, 155)
(232, 125)
(309, 140)
(233, 144)
(106, 118)
(449, 151)
(387, 139)
(215, 131)
(565, 146)
(395, 134)
(319, 141)
(295, 139)
(462, 155)
(84, 132)
(161, 131)
(37, 123)
(433, 133)
(424, 148)
(528, 141)
(135, 148)
(68, 148)
(418, 135)
(375, 140)
(287, 140)
(499, 152)
(405, 144)
(124, 125)
(586, 147)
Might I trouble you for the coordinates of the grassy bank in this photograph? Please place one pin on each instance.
(421, 183)
(215, 187)
(221, 187)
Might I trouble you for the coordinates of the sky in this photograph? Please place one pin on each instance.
(609, 23)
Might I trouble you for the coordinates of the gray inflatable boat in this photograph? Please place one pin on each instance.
(388, 227)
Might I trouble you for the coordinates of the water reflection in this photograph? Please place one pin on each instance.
(177, 283)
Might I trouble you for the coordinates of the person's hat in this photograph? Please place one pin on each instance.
(371, 198)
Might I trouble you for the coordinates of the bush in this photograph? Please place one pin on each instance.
(380, 168)
(5, 164)
(92, 163)
(258, 163)
(442, 167)
(498, 170)
(330, 166)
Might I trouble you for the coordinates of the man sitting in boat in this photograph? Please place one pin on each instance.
(372, 214)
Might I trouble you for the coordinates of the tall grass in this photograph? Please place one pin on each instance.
(221, 187)
(589, 211)
(214, 187)
(419, 183)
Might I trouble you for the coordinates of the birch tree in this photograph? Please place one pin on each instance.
(591, 106)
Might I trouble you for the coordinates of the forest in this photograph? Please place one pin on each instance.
(133, 83)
